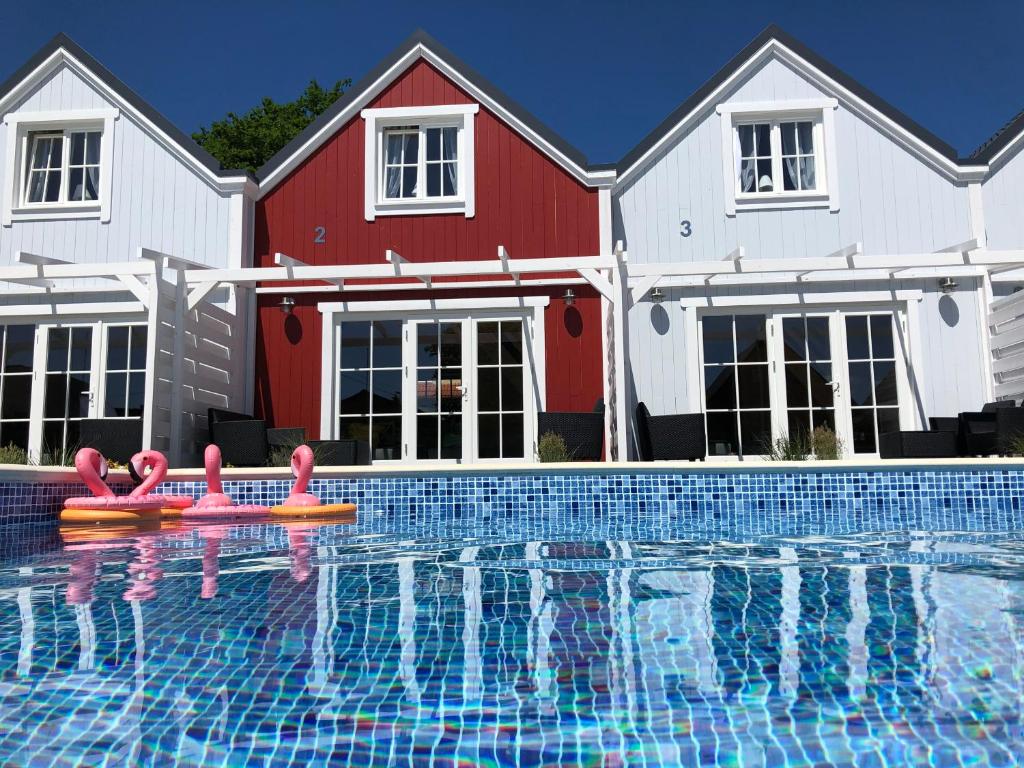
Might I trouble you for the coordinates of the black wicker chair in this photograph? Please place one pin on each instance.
(341, 453)
(583, 433)
(117, 439)
(917, 444)
(991, 430)
(676, 437)
(241, 438)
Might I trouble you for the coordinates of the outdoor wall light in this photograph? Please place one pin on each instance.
(286, 305)
(657, 296)
(569, 297)
(947, 284)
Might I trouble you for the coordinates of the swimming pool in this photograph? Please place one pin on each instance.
(868, 641)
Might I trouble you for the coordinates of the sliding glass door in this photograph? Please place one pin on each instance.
(435, 388)
(769, 374)
(16, 376)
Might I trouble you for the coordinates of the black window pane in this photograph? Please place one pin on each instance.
(490, 436)
(427, 351)
(825, 419)
(863, 430)
(354, 428)
(512, 436)
(511, 343)
(78, 395)
(18, 355)
(512, 389)
(799, 423)
(818, 345)
(53, 436)
(796, 385)
(355, 345)
(14, 433)
(451, 344)
(888, 420)
(754, 391)
(136, 394)
(488, 397)
(55, 399)
(409, 182)
(115, 395)
(718, 347)
(821, 384)
(56, 349)
(81, 349)
(755, 432)
(487, 343)
(426, 390)
(794, 338)
(881, 336)
(451, 437)
(722, 435)
(720, 386)
(77, 148)
(138, 353)
(354, 392)
(885, 383)
(387, 438)
(387, 391)
(433, 144)
(434, 180)
(387, 344)
(17, 397)
(117, 348)
(751, 339)
(857, 337)
(860, 384)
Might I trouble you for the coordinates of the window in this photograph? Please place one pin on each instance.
(370, 386)
(500, 384)
(737, 394)
(780, 154)
(419, 160)
(62, 168)
(124, 393)
(16, 353)
(874, 402)
(439, 390)
(807, 354)
(68, 387)
(406, 167)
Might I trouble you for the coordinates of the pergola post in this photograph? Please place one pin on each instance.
(618, 355)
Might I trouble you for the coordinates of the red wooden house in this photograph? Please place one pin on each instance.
(441, 260)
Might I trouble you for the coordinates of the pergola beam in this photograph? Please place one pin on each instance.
(288, 262)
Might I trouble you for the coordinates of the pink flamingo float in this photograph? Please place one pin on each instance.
(156, 464)
(216, 503)
(300, 503)
(104, 505)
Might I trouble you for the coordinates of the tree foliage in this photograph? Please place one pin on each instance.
(249, 140)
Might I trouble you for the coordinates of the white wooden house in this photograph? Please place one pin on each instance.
(800, 253)
(104, 204)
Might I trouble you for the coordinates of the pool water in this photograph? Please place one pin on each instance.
(272, 645)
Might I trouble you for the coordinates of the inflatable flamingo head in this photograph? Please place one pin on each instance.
(92, 468)
(155, 463)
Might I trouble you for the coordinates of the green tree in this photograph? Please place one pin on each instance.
(249, 140)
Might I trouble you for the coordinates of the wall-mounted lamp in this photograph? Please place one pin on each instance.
(657, 296)
(569, 297)
(947, 285)
(286, 305)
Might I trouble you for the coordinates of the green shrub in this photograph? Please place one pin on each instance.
(788, 448)
(551, 448)
(826, 445)
(56, 456)
(281, 455)
(1015, 445)
(13, 454)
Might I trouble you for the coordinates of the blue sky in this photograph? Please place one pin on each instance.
(601, 73)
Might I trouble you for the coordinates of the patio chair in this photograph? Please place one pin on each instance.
(244, 440)
(583, 433)
(341, 453)
(992, 430)
(674, 437)
(117, 439)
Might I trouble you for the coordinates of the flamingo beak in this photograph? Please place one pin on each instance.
(104, 469)
(139, 464)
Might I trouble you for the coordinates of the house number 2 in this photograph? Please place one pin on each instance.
(685, 228)
(319, 235)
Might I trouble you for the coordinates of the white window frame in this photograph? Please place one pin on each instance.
(379, 121)
(820, 112)
(20, 126)
(529, 309)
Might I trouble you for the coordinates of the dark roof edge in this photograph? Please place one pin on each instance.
(774, 32)
(61, 40)
(999, 140)
(420, 37)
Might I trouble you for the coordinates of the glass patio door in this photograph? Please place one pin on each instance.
(811, 388)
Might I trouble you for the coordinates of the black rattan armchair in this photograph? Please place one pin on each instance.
(242, 439)
(992, 430)
(583, 433)
(676, 437)
(117, 439)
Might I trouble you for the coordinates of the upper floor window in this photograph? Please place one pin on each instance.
(59, 165)
(419, 160)
(62, 168)
(780, 155)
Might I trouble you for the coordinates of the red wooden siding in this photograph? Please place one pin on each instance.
(524, 201)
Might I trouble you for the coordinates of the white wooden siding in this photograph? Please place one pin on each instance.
(1002, 195)
(157, 202)
(889, 200)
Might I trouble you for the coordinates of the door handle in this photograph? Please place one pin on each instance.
(834, 385)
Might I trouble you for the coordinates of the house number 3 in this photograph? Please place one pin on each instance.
(685, 228)
(319, 235)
